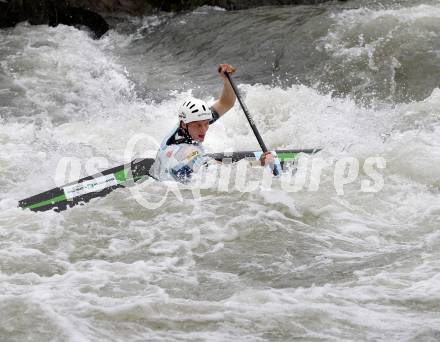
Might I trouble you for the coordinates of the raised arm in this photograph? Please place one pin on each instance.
(227, 98)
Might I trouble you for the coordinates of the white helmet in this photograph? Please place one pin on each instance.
(194, 110)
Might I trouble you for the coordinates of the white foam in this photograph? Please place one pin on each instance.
(232, 266)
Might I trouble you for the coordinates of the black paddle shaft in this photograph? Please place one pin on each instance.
(250, 120)
(248, 115)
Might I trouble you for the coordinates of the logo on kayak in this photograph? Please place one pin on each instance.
(92, 185)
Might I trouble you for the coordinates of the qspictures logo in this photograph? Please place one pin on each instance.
(306, 172)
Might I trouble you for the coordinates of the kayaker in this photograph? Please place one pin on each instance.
(181, 152)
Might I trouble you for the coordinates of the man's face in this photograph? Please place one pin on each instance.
(197, 129)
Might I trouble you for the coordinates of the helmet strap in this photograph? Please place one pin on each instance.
(186, 137)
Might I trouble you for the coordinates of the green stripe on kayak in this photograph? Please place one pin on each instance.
(54, 200)
(286, 156)
(120, 176)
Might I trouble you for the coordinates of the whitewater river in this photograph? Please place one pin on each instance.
(217, 262)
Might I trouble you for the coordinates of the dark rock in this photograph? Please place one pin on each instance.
(134, 7)
(74, 16)
(83, 12)
(51, 12)
(179, 5)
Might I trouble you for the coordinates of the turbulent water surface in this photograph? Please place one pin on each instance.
(214, 262)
